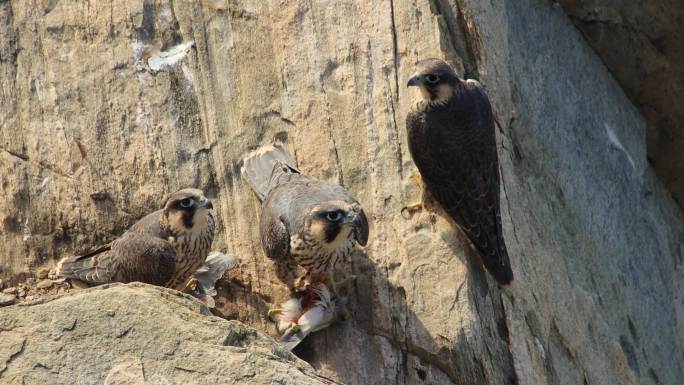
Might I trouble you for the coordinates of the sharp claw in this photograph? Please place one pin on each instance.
(191, 285)
(411, 208)
(405, 210)
(273, 312)
(299, 283)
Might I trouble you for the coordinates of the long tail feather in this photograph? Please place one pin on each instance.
(262, 168)
(83, 267)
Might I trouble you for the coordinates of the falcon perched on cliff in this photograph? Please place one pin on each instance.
(164, 248)
(452, 140)
(304, 221)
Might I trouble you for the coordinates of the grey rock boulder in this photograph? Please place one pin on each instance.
(7, 299)
(137, 334)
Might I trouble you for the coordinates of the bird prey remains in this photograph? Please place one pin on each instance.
(304, 221)
(309, 311)
(164, 248)
(452, 140)
(202, 285)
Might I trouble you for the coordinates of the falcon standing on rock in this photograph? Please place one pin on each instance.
(452, 140)
(164, 248)
(304, 221)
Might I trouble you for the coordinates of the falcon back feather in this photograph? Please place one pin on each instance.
(264, 168)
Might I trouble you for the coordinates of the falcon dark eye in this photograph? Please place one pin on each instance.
(432, 78)
(333, 216)
(185, 203)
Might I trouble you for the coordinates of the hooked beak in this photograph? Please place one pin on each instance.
(416, 80)
(358, 220)
(206, 203)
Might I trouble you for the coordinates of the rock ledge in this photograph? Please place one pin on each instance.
(137, 334)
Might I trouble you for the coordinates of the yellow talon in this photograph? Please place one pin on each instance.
(411, 208)
(336, 285)
(191, 285)
(418, 180)
(299, 283)
(294, 328)
(344, 282)
(273, 312)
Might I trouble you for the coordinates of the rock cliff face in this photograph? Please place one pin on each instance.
(641, 44)
(106, 108)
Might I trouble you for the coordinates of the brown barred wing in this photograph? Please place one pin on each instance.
(143, 258)
(95, 267)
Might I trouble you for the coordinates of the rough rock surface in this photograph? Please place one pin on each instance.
(7, 299)
(641, 43)
(137, 334)
(104, 110)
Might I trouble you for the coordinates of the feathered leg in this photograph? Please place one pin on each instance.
(287, 273)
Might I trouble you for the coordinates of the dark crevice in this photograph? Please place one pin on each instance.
(395, 137)
(458, 45)
(430, 358)
(146, 32)
(336, 157)
(630, 353)
(14, 355)
(503, 182)
(43, 165)
(395, 54)
(21, 156)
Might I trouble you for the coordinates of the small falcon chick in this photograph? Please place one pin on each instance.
(304, 221)
(163, 248)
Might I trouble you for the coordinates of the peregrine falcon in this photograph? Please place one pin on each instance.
(304, 221)
(452, 141)
(164, 248)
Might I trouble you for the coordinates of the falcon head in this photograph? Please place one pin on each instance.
(187, 210)
(436, 81)
(332, 223)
